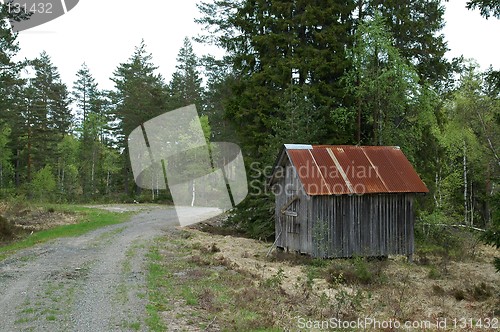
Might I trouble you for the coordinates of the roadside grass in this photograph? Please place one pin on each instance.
(158, 286)
(90, 219)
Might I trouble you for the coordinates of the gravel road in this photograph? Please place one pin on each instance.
(95, 282)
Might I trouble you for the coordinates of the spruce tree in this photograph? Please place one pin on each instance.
(91, 123)
(487, 8)
(139, 95)
(416, 27)
(185, 86)
(50, 113)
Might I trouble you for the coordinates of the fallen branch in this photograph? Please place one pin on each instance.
(456, 226)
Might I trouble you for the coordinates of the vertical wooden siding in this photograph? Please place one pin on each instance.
(368, 225)
(343, 226)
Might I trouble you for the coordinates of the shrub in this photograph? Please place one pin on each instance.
(492, 235)
(436, 236)
(6, 229)
(434, 273)
(44, 184)
(276, 280)
(356, 271)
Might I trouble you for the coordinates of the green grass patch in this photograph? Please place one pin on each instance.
(134, 326)
(158, 287)
(90, 219)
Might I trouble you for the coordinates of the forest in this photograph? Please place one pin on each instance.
(357, 72)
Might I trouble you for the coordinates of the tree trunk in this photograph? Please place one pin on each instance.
(465, 183)
(194, 194)
(107, 182)
(92, 176)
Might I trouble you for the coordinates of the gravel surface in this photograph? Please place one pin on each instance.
(95, 282)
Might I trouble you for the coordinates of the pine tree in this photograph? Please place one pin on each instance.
(91, 124)
(9, 69)
(5, 159)
(85, 95)
(50, 116)
(273, 45)
(139, 95)
(416, 28)
(487, 8)
(40, 118)
(218, 91)
(185, 86)
(11, 99)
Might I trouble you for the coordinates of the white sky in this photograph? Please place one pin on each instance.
(104, 34)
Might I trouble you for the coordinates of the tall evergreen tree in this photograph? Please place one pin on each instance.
(487, 8)
(218, 90)
(50, 110)
(5, 159)
(273, 45)
(416, 27)
(185, 86)
(85, 95)
(91, 123)
(139, 95)
(44, 118)
(11, 89)
(9, 69)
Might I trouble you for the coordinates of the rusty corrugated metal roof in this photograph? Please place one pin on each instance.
(328, 169)
(311, 178)
(344, 169)
(359, 170)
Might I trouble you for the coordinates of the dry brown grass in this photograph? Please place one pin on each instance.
(465, 288)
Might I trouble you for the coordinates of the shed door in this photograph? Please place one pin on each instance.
(292, 224)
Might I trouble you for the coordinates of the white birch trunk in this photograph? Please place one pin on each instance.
(471, 204)
(193, 194)
(93, 172)
(465, 183)
(107, 182)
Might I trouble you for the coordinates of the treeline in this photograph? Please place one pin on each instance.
(64, 143)
(366, 72)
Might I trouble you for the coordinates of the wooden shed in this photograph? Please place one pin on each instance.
(342, 201)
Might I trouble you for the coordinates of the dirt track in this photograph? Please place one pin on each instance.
(95, 282)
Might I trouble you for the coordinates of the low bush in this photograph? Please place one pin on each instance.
(436, 235)
(356, 271)
(6, 229)
(434, 273)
